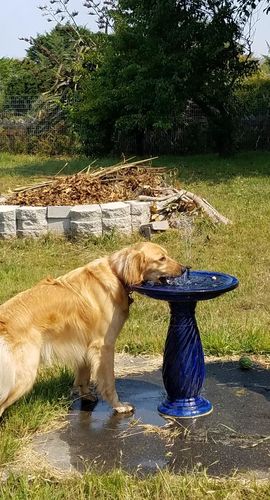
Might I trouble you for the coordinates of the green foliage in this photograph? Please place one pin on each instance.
(55, 63)
(25, 81)
(253, 110)
(51, 73)
(62, 56)
(8, 69)
(254, 94)
(19, 78)
(265, 64)
(149, 72)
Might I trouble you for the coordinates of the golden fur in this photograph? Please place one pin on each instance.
(75, 319)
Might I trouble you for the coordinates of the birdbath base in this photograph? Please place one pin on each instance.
(186, 407)
(183, 365)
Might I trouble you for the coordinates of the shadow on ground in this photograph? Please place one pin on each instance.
(208, 167)
(235, 437)
(52, 166)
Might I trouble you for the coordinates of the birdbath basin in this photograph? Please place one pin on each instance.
(183, 364)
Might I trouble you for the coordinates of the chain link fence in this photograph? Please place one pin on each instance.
(29, 125)
(34, 125)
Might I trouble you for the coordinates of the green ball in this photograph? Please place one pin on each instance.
(245, 363)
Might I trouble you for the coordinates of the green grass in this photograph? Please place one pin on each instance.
(117, 485)
(47, 402)
(238, 322)
(239, 188)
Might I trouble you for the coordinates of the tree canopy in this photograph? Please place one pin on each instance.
(162, 54)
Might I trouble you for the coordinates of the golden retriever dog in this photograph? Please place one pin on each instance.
(75, 319)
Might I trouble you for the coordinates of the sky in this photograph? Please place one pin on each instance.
(22, 18)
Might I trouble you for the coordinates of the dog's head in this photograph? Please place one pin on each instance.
(143, 262)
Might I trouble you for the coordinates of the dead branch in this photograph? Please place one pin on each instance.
(163, 203)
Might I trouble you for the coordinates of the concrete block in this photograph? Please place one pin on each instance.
(30, 233)
(147, 229)
(28, 212)
(117, 209)
(6, 236)
(122, 225)
(7, 212)
(160, 225)
(85, 212)
(138, 221)
(59, 226)
(58, 212)
(140, 213)
(86, 228)
(7, 221)
(139, 207)
(32, 218)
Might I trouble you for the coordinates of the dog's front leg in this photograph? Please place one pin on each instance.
(102, 370)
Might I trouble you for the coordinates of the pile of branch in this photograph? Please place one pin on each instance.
(179, 201)
(128, 180)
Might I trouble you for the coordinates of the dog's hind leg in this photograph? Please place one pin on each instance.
(102, 370)
(7, 373)
(23, 365)
(82, 384)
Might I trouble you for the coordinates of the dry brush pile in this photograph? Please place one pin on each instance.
(129, 180)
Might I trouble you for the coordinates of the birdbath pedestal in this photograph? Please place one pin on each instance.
(183, 364)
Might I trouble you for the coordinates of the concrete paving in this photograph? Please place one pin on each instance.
(235, 437)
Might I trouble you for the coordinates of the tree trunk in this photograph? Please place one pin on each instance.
(140, 136)
(222, 132)
(221, 126)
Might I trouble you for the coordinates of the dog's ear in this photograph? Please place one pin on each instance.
(134, 268)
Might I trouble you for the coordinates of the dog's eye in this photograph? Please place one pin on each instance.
(162, 258)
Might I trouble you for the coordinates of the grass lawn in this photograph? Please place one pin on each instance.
(238, 322)
(120, 486)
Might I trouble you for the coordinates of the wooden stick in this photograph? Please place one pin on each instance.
(90, 165)
(128, 159)
(36, 186)
(143, 197)
(206, 207)
(61, 169)
(117, 168)
(83, 170)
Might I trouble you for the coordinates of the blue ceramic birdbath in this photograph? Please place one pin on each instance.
(183, 365)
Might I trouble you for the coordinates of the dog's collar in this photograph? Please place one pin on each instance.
(127, 290)
(130, 298)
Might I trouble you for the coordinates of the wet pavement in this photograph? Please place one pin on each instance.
(235, 437)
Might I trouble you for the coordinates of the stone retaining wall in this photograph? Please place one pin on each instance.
(80, 220)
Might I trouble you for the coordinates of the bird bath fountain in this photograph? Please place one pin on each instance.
(183, 365)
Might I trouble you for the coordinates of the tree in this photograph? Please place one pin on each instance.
(247, 6)
(62, 55)
(7, 68)
(162, 54)
(20, 82)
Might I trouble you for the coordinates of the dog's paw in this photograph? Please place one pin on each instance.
(89, 396)
(124, 408)
(85, 392)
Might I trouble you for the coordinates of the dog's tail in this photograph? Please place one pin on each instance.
(7, 370)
